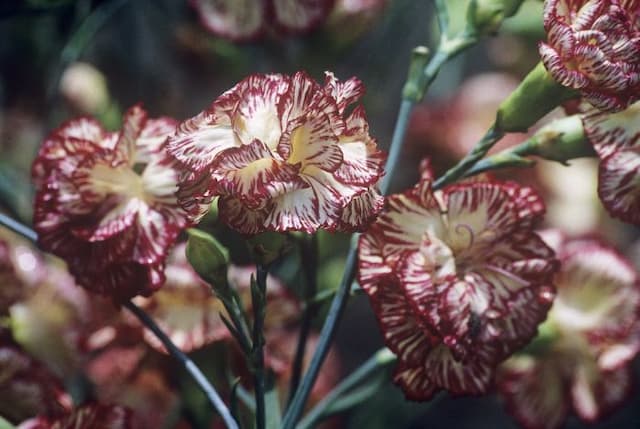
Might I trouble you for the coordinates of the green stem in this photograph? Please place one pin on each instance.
(202, 382)
(379, 360)
(478, 152)
(310, 265)
(258, 295)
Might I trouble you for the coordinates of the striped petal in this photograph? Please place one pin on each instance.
(234, 19)
(298, 17)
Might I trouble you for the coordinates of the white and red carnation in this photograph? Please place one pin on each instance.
(458, 281)
(242, 20)
(581, 360)
(92, 416)
(594, 46)
(282, 154)
(106, 204)
(614, 136)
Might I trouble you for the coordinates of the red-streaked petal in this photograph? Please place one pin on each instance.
(240, 217)
(251, 173)
(362, 161)
(404, 332)
(133, 122)
(345, 93)
(598, 293)
(595, 393)
(361, 211)
(478, 215)
(312, 142)
(612, 132)
(298, 17)
(199, 140)
(473, 376)
(234, 19)
(534, 392)
(414, 381)
(27, 388)
(92, 416)
(619, 184)
(256, 115)
(153, 138)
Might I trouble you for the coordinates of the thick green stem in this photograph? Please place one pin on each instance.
(477, 153)
(259, 300)
(310, 266)
(379, 360)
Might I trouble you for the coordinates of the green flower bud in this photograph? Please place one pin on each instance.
(268, 247)
(537, 95)
(209, 259)
(561, 140)
(486, 16)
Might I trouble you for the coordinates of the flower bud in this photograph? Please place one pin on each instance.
(536, 96)
(267, 247)
(486, 16)
(561, 140)
(209, 259)
(85, 88)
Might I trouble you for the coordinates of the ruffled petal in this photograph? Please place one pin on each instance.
(233, 19)
(254, 175)
(612, 132)
(534, 392)
(298, 17)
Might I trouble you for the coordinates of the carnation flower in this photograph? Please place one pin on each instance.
(27, 388)
(92, 416)
(581, 360)
(283, 155)
(614, 136)
(458, 281)
(594, 46)
(105, 202)
(247, 19)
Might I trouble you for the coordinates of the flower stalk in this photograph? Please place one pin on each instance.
(309, 262)
(259, 301)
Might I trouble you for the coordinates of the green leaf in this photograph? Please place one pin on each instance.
(355, 396)
(5, 424)
(209, 259)
(272, 408)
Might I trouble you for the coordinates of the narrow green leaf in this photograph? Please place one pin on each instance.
(5, 424)
(355, 396)
(272, 407)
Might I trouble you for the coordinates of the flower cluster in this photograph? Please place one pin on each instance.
(106, 204)
(248, 19)
(593, 46)
(458, 281)
(283, 155)
(615, 138)
(581, 359)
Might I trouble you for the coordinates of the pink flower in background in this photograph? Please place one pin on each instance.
(106, 204)
(615, 138)
(458, 281)
(92, 416)
(282, 154)
(247, 19)
(581, 360)
(188, 311)
(594, 46)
